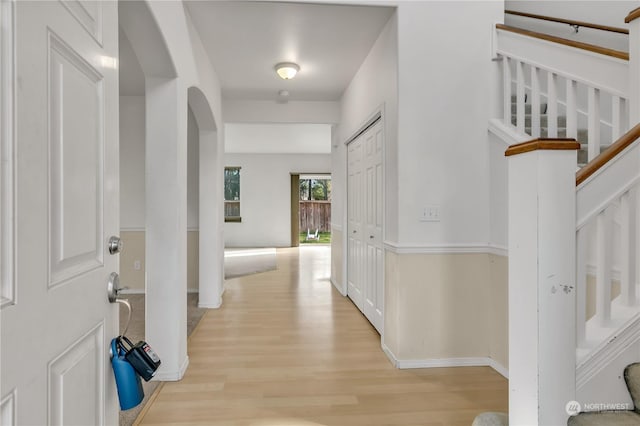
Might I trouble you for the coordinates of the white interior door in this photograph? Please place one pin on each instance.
(56, 320)
(355, 196)
(365, 281)
(372, 235)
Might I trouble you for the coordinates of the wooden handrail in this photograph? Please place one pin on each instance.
(633, 15)
(569, 22)
(577, 44)
(607, 155)
(540, 144)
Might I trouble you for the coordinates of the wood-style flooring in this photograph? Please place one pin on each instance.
(287, 349)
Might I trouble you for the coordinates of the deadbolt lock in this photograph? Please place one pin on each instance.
(115, 245)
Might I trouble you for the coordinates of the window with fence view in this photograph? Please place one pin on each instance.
(232, 194)
(315, 209)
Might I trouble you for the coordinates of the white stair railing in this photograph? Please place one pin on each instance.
(573, 239)
(607, 306)
(582, 93)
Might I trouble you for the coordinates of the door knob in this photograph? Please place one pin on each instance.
(115, 245)
(113, 287)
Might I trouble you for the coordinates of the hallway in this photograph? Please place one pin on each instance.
(287, 349)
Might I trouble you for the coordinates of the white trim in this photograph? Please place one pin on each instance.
(8, 290)
(9, 407)
(336, 227)
(463, 248)
(216, 305)
(445, 362)
(507, 133)
(143, 229)
(172, 376)
(610, 349)
(615, 272)
(501, 369)
(341, 289)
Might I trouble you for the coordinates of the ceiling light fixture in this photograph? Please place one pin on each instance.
(287, 70)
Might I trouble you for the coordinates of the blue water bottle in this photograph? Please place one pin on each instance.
(130, 392)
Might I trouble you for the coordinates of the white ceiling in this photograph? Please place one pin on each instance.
(245, 39)
(277, 138)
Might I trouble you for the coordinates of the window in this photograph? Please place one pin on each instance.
(232, 194)
(315, 189)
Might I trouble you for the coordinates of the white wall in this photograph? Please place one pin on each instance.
(132, 164)
(265, 190)
(498, 180)
(193, 176)
(445, 101)
(373, 88)
(242, 111)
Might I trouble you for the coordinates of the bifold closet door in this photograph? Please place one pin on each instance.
(372, 235)
(365, 224)
(354, 229)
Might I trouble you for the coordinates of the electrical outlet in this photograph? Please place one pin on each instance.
(430, 214)
(136, 265)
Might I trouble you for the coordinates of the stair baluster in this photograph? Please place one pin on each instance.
(593, 128)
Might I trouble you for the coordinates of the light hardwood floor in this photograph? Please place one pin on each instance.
(287, 349)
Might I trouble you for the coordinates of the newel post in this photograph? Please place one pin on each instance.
(634, 66)
(542, 271)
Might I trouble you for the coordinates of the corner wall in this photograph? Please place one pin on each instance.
(445, 281)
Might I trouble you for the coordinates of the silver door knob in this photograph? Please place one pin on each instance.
(115, 245)
(113, 287)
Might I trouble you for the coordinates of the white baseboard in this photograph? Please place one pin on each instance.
(445, 362)
(215, 305)
(501, 369)
(342, 290)
(390, 355)
(172, 376)
(466, 248)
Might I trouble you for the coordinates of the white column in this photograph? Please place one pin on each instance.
(210, 216)
(166, 222)
(542, 280)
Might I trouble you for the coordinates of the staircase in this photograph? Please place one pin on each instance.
(582, 134)
(574, 238)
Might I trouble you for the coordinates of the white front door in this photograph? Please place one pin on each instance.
(56, 320)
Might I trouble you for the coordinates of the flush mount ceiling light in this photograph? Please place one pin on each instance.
(287, 70)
